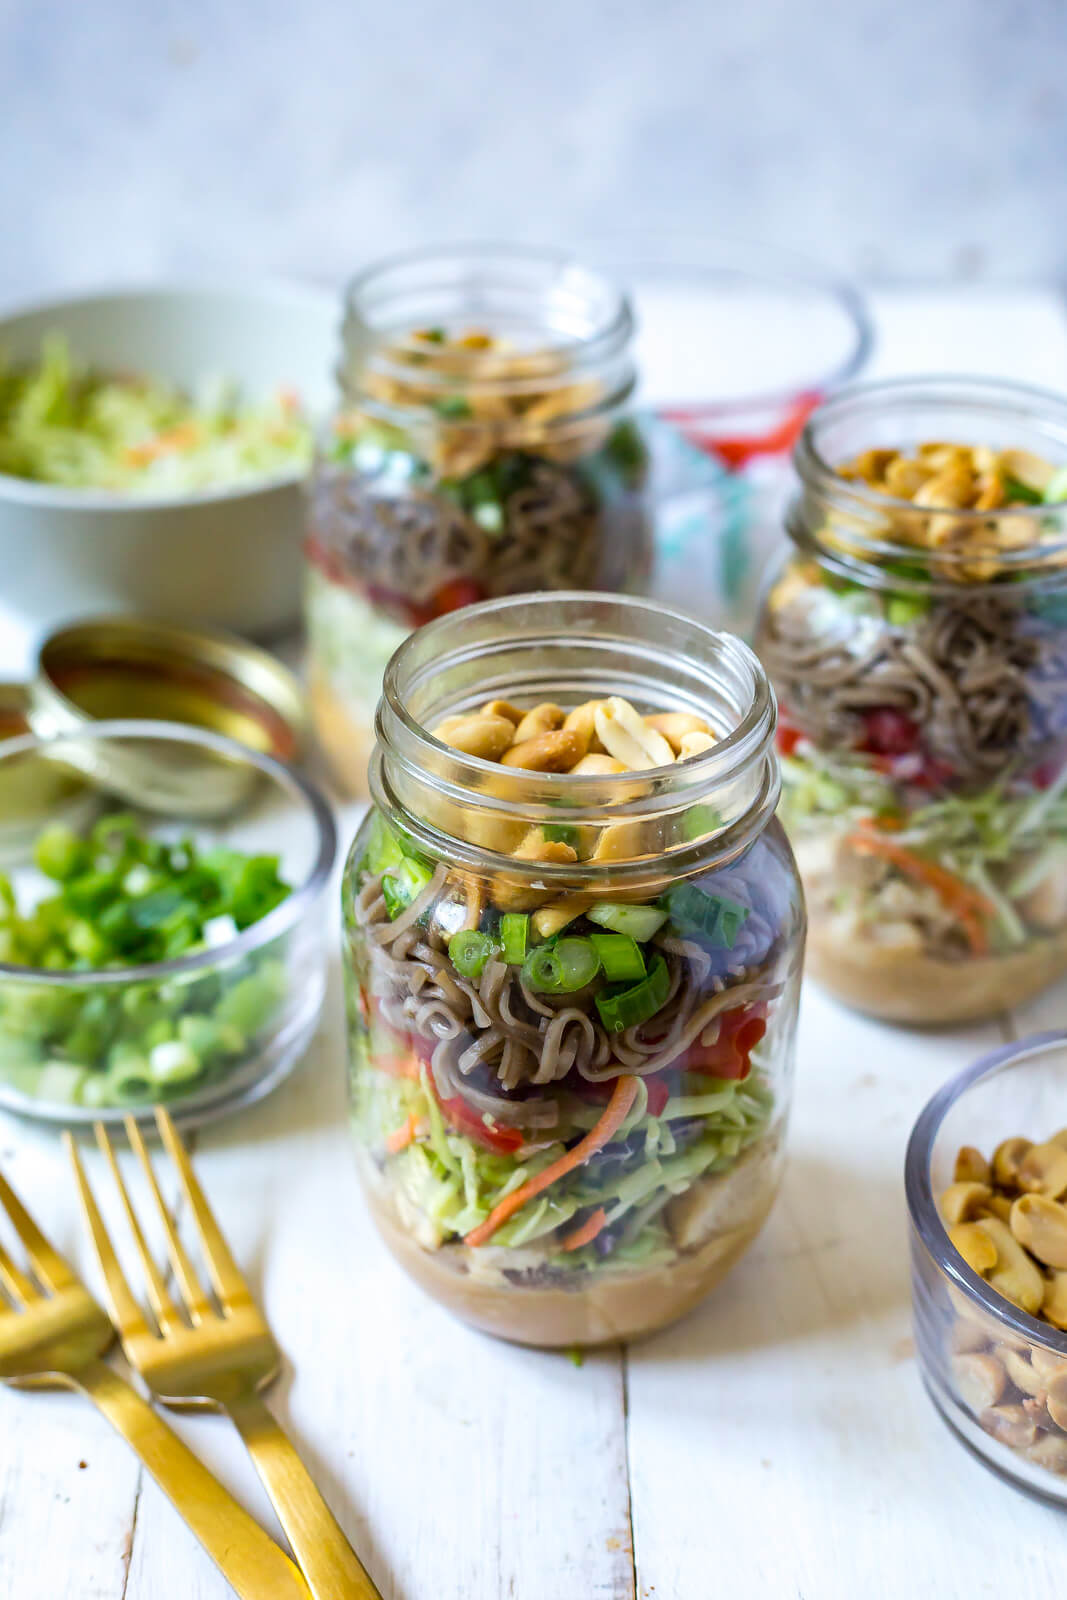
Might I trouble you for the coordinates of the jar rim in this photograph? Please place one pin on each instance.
(1036, 407)
(405, 742)
(583, 321)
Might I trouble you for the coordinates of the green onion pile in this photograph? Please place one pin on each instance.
(122, 900)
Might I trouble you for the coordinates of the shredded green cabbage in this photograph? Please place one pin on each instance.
(66, 424)
(453, 1184)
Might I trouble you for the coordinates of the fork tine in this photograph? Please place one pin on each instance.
(45, 1260)
(196, 1301)
(229, 1285)
(126, 1313)
(163, 1307)
(18, 1286)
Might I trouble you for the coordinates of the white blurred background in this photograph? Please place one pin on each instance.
(922, 141)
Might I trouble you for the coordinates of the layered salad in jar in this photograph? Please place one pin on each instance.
(918, 647)
(470, 466)
(569, 1093)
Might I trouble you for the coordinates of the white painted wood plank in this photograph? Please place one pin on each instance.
(780, 1437)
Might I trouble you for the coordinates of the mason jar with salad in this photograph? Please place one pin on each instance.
(573, 943)
(917, 639)
(485, 447)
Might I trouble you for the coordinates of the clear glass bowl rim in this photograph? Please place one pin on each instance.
(276, 922)
(922, 1205)
(729, 256)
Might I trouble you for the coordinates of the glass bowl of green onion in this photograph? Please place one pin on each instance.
(148, 955)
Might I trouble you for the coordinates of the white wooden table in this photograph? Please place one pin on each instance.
(777, 1443)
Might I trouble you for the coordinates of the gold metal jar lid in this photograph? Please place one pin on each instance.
(127, 668)
(110, 667)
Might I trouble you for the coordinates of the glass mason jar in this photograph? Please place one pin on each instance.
(484, 447)
(917, 639)
(572, 994)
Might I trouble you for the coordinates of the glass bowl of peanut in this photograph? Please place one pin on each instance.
(986, 1182)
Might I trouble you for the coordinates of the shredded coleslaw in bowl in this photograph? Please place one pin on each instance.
(77, 427)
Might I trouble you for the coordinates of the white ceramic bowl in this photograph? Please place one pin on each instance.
(228, 557)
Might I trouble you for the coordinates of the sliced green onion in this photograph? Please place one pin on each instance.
(453, 407)
(469, 951)
(902, 610)
(693, 910)
(640, 922)
(515, 936)
(620, 956)
(627, 1008)
(59, 853)
(563, 967)
(699, 821)
(403, 885)
(1018, 493)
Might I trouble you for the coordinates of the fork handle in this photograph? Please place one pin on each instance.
(330, 1565)
(247, 1557)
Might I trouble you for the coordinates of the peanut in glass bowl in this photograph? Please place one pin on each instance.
(572, 994)
(992, 1370)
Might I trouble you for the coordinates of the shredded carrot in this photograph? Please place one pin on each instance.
(177, 438)
(615, 1113)
(967, 904)
(396, 1066)
(587, 1231)
(401, 1137)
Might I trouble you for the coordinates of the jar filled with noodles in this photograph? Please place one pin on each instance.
(917, 640)
(485, 447)
(573, 936)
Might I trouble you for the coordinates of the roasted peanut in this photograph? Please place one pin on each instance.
(515, 894)
(1050, 1452)
(998, 1205)
(582, 720)
(1007, 1159)
(980, 1380)
(1056, 1400)
(557, 914)
(974, 1245)
(1054, 1301)
(674, 725)
(1040, 1225)
(477, 735)
(1019, 1370)
(972, 1166)
(967, 1337)
(1043, 1170)
(558, 751)
(623, 841)
(695, 744)
(503, 708)
(625, 735)
(597, 765)
(1010, 1424)
(1014, 1275)
(545, 718)
(1046, 1364)
(962, 1202)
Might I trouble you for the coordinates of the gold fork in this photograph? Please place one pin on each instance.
(218, 1359)
(54, 1335)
